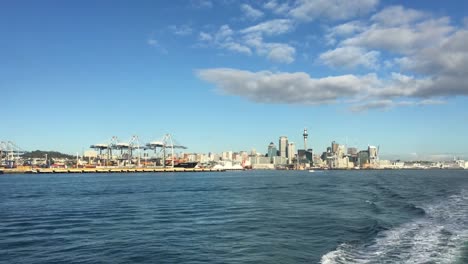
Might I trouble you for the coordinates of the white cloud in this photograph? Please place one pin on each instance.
(290, 88)
(224, 32)
(403, 39)
(430, 53)
(308, 10)
(350, 57)
(271, 27)
(202, 3)
(277, 8)
(182, 30)
(347, 29)
(343, 30)
(250, 12)
(155, 44)
(278, 52)
(281, 52)
(233, 46)
(152, 42)
(388, 104)
(398, 15)
(448, 58)
(361, 92)
(203, 36)
(249, 42)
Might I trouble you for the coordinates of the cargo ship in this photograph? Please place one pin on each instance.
(182, 164)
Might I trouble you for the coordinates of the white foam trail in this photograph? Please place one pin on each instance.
(438, 237)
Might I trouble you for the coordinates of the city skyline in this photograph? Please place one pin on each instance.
(236, 75)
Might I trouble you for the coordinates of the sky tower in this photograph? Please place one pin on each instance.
(305, 138)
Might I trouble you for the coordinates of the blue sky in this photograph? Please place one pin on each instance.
(235, 75)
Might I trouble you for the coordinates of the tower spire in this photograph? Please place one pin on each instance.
(305, 134)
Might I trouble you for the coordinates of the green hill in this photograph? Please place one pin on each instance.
(50, 155)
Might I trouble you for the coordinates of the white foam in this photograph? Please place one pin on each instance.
(437, 237)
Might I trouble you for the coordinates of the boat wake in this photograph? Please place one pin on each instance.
(438, 237)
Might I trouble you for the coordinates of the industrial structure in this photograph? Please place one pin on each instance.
(131, 153)
(10, 154)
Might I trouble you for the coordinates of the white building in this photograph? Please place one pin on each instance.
(227, 155)
(291, 152)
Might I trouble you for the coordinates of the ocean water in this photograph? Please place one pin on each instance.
(236, 217)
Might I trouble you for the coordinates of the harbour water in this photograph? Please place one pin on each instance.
(236, 217)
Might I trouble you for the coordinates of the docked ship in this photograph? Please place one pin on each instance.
(182, 164)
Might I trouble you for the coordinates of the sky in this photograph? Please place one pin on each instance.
(235, 75)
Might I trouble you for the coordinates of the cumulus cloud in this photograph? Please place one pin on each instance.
(277, 8)
(402, 39)
(308, 10)
(203, 36)
(350, 57)
(343, 30)
(271, 27)
(233, 46)
(362, 92)
(428, 54)
(278, 52)
(388, 104)
(250, 41)
(346, 29)
(290, 88)
(398, 15)
(429, 47)
(250, 12)
(448, 58)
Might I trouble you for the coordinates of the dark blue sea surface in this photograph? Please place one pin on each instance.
(236, 217)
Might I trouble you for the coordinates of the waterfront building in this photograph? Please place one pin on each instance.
(227, 155)
(352, 151)
(363, 159)
(278, 160)
(305, 156)
(253, 152)
(334, 147)
(260, 162)
(291, 152)
(272, 151)
(373, 156)
(283, 146)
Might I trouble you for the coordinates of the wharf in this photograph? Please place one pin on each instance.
(102, 170)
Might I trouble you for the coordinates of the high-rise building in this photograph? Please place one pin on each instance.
(352, 151)
(334, 147)
(372, 152)
(363, 158)
(283, 146)
(227, 155)
(272, 151)
(373, 155)
(291, 152)
(305, 156)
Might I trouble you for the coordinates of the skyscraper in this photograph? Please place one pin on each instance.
(291, 152)
(272, 151)
(283, 146)
(334, 147)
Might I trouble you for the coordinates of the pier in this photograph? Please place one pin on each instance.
(103, 170)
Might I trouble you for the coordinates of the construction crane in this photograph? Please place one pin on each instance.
(166, 142)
